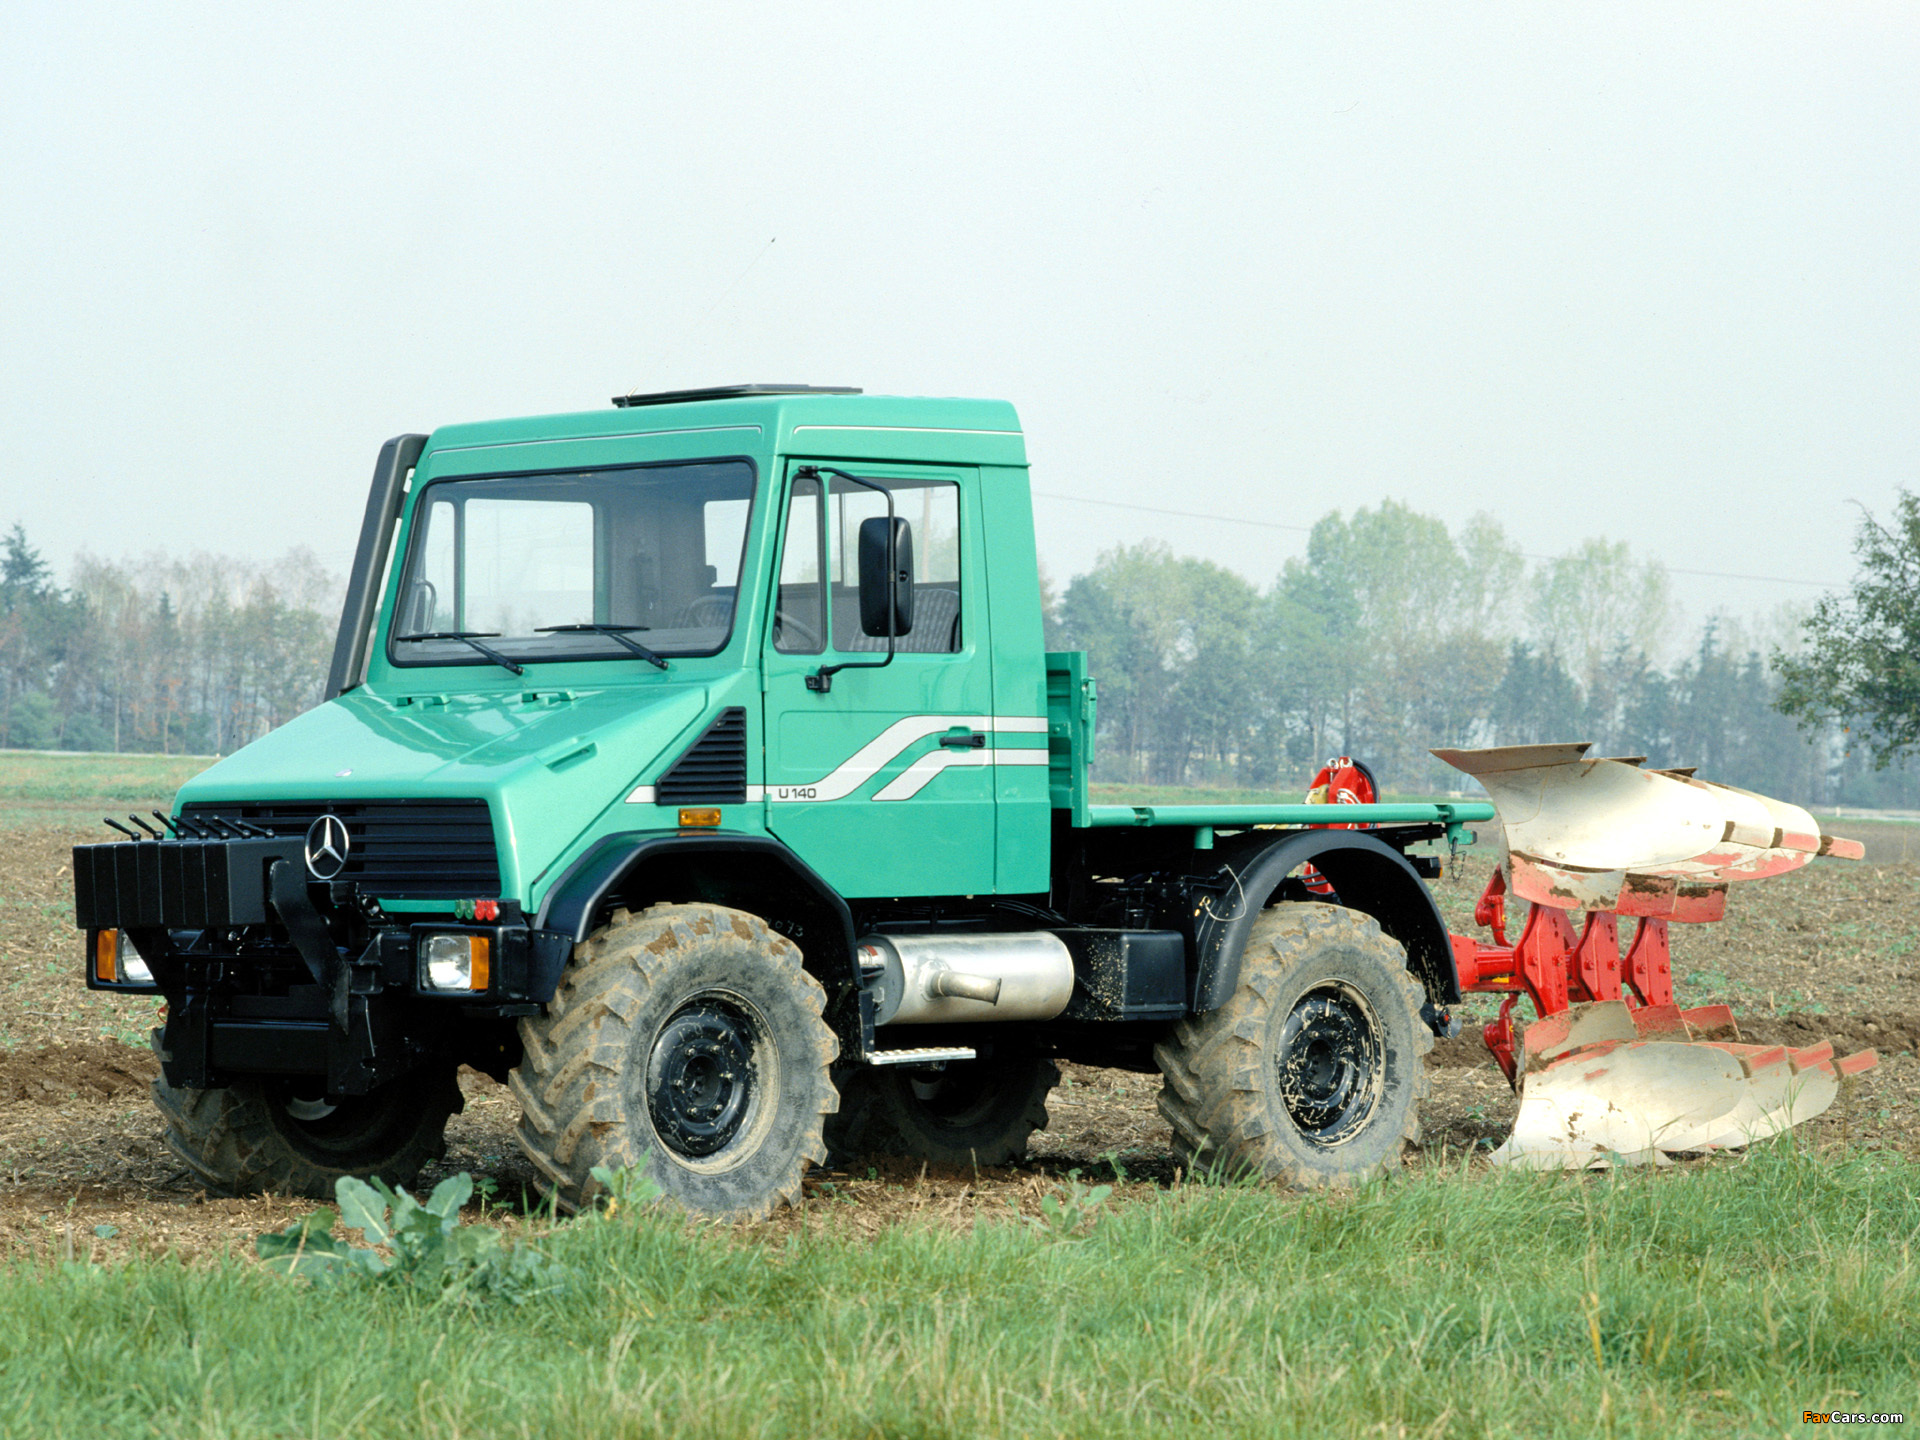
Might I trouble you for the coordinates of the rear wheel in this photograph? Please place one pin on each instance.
(969, 1112)
(1313, 1071)
(280, 1137)
(690, 1038)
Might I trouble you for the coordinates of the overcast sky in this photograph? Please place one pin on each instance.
(1641, 272)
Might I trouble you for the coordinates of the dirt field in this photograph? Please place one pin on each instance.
(1833, 951)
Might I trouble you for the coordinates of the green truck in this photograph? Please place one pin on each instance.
(697, 768)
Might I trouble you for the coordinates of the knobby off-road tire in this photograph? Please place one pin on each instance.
(258, 1136)
(1312, 1073)
(972, 1112)
(687, 1036)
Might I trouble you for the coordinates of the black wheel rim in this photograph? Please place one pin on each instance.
(1329, 1063)
(702, 1076)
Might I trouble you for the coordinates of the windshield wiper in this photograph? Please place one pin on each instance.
(614, 632)
(473, 638)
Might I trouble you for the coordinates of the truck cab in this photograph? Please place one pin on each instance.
(675, 588)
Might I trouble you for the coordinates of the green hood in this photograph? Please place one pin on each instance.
(547, 762)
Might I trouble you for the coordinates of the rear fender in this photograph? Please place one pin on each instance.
(1368, 875)
(754, 873)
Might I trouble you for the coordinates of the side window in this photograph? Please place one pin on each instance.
(932, 509)
(799, 618)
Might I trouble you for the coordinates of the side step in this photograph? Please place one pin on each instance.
(932, 1055)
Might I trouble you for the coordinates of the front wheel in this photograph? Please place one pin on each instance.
(279, 1137)
(1312, 1073)
(688, 1037)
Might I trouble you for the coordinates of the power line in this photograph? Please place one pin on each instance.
(1308, 530)
(1186, 514)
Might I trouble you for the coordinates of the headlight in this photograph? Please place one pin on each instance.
(455, 962)
(116, 962)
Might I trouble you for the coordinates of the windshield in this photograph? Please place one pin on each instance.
(648, 554)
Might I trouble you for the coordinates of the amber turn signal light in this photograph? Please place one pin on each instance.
(116, 962)
(106, 955)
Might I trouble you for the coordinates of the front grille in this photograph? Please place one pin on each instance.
(402, 849)
(714, 769)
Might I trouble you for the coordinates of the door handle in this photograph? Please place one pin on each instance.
(957, 739)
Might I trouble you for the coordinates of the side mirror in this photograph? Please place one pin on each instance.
(883, 585)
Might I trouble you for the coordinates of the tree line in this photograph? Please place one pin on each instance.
(195, 657)
(1391, 634)
(1395, 633)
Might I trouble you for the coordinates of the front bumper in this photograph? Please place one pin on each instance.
(266, 971)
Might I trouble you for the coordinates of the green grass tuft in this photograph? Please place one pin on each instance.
(1722, 1298)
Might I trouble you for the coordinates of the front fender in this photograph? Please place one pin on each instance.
(1369, 875)
(755, 873)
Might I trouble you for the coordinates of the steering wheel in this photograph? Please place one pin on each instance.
(706, 611)
(786, 627)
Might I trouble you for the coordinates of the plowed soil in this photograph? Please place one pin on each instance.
(1828, 953)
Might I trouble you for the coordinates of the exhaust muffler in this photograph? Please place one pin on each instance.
(943, 979)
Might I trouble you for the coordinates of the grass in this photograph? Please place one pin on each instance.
(1724, 1299)
(1187, 795)
(39, 787)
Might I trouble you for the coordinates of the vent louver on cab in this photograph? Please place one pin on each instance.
(714, 769)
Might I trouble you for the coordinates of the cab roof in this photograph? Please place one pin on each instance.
(790, 420)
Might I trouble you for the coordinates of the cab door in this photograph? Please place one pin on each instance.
(880, 775)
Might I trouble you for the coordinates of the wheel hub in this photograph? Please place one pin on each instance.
(339, 1130)
(1329, 1063)
(309, 1110)
(700, 1076)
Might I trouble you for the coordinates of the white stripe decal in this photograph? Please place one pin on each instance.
(886, 747)
(616, 435)
(910, 781)
(643, 795)
(878, 753)
(902, 430)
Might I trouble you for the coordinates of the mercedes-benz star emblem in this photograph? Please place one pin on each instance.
(327, 847)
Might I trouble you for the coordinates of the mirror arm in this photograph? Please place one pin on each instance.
(821, 680)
